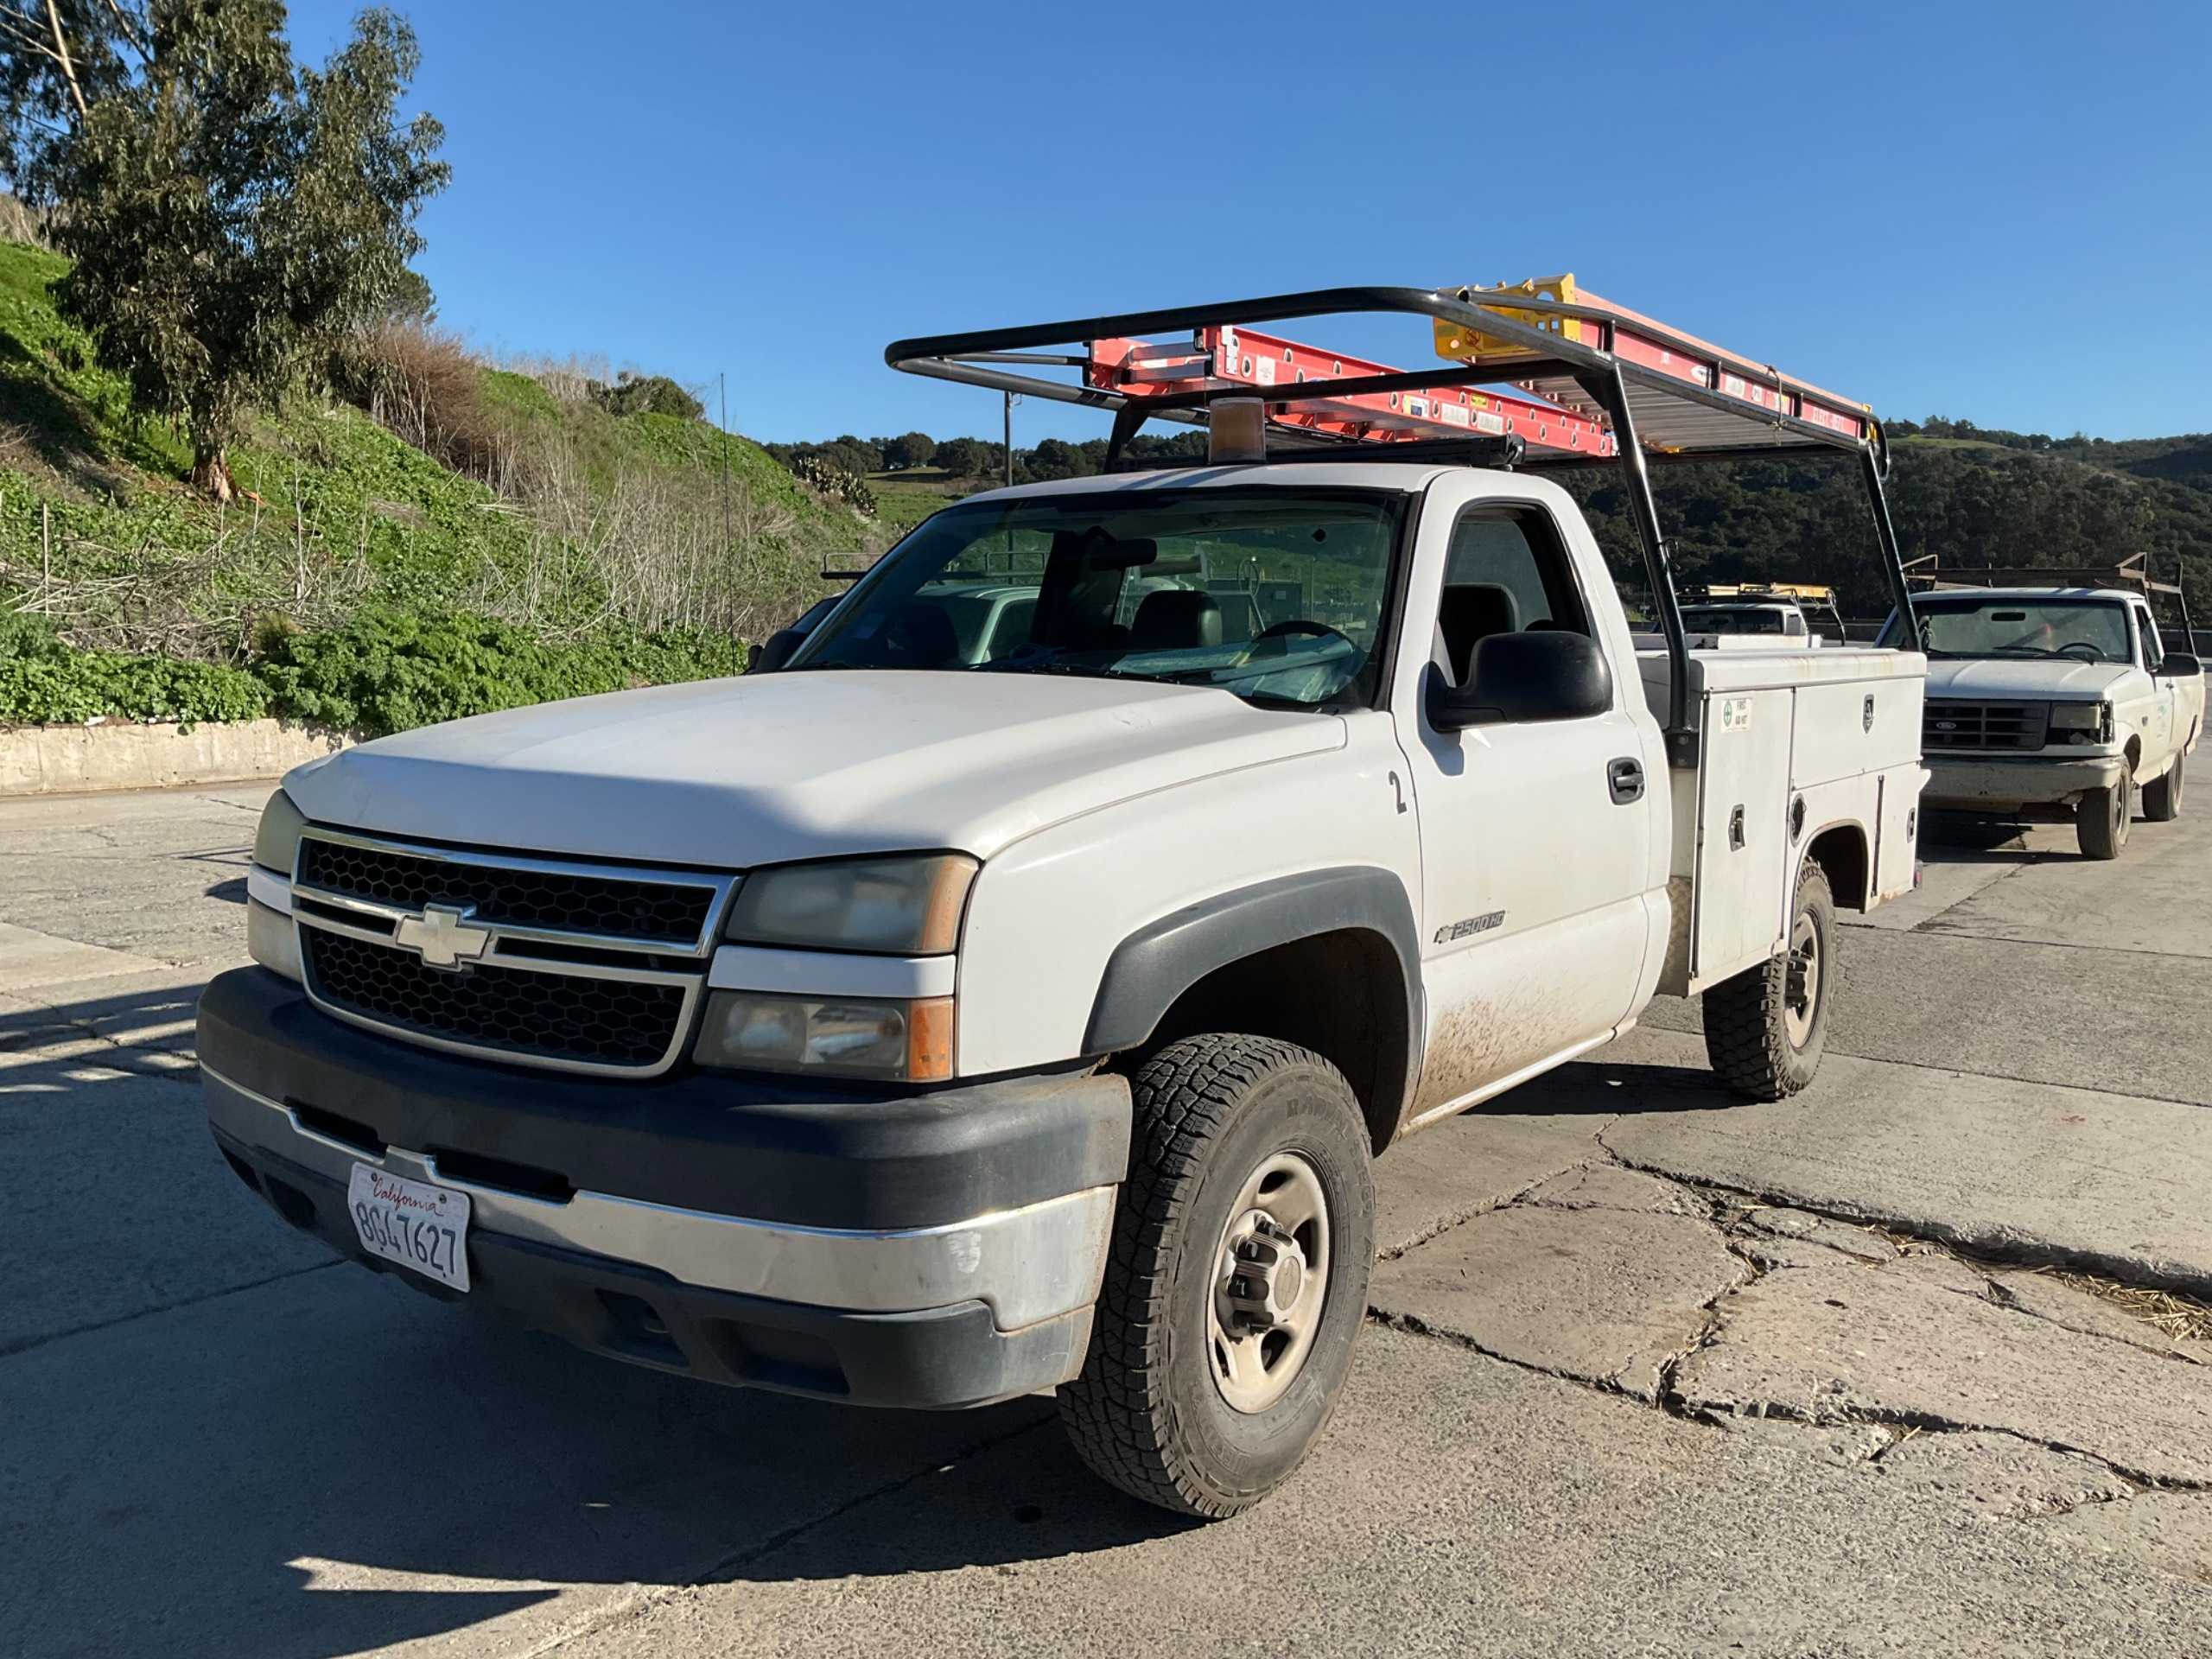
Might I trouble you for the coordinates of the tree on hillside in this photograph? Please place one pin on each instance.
(968, 457)
(647, 394)
(1058, 458)
(910, 449)
(232, 214)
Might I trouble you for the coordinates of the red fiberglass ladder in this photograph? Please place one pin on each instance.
(1555, 415)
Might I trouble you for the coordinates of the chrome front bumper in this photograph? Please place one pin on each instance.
(1026, 1265)
(1998, 784)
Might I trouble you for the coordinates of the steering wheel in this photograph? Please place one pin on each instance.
(2096, 652)
(1297, 625)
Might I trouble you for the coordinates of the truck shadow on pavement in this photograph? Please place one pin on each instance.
(229, 1430)
(222, 1429)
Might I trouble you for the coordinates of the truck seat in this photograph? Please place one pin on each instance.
(1176, 619)
(1469, 614)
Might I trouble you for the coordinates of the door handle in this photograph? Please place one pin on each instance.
(1625, 779)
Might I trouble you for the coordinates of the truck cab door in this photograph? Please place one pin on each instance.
(2161, 740)
(1542, 843)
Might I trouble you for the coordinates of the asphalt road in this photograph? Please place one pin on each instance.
(1647, 1373)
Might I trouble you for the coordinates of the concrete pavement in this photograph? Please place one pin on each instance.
(1614, 1408)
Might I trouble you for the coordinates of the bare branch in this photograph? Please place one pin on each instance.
(130, 33)
(61, 55)
(22, 36)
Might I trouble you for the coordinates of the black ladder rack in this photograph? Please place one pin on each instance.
(1653, 414)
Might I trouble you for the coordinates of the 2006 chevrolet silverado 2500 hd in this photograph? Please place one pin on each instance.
(906, 1028)
(2055, 702)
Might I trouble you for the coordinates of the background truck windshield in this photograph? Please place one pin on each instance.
(1735, 619)
(1275, 595)
(2091, 630)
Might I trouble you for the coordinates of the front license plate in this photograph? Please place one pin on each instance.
(412, 1223)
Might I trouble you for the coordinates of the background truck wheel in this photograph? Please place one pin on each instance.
(2101, 820)
(1238, 1278)
(1765, 1029)
(2162, 795)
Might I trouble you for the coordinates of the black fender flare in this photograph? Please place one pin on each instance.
(1161, 960)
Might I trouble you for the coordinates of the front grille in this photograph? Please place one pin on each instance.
(1948, 724)
(559, 1017)
(626, 906)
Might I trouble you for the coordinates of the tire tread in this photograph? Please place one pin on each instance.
(1745, 1040)
(1118, 1413)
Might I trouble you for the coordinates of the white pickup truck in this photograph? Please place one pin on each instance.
(898, 1027)
(2055, 702)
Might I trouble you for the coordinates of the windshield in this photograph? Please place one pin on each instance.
(1275, 595)
(1733, 619)
(2089, 631)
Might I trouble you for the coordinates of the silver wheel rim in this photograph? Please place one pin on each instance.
(1802, 996)
(2123, 806)
(1270, 1283)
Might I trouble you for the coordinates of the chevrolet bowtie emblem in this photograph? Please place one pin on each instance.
(444, 935)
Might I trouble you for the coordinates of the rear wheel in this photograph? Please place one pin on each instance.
(1765, 1029)
(2101, 818)
(2162, 795)
(1238, 1278)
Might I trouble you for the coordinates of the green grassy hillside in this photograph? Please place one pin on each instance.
(354, 570)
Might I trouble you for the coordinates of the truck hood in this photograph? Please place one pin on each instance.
(2038, 680)
(730, 773)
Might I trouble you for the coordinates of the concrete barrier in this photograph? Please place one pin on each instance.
(119, 754)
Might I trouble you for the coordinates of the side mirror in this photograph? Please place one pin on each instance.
(1516, 679)
(775, 651)
(2180, 662)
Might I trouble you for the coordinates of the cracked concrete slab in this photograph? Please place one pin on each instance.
(2046, 1174)
(1944, 1271)
(1602, 1296)
(1846, 1444)
(1776, 1254)
(1999, 1475)
(2077, 1310)
(1469, 1164)
(1456, 1508)
(1849, 1343)
(1608, 1186)
(1780, 1222)
(2041, 1295)
(2166, 1532)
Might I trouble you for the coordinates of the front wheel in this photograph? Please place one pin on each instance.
(2162, 795)
(1765, 1029)
(2101, 817)
(1238, 1278)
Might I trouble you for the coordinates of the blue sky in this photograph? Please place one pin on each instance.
(1997, 211)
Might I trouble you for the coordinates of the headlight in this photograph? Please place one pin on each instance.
(855, 1036)
(276, 843)
(2084, 722)
(907, 906)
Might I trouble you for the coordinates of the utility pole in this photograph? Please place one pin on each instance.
(1011, 398)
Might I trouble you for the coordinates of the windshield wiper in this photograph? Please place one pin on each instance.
(1047, 664)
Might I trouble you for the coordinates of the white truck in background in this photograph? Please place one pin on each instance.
(1791, 610)
(901, 1028)
(2054, 702)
